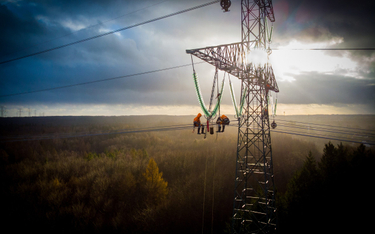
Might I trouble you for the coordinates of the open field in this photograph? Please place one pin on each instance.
(76, 181)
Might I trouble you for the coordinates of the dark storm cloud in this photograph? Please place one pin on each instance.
(320, 20)
(19, 30)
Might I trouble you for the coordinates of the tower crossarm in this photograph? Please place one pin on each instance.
(267, 4)
(230, 58)
(226, 57)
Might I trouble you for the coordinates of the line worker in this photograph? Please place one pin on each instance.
(197, 123)
(222, 121)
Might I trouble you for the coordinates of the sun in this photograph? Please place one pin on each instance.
(299, 57)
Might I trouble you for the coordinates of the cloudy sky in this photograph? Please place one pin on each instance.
(310, 81)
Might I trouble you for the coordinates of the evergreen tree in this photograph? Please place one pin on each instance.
(300, 198)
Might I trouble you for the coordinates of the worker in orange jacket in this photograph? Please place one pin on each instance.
(197, 123)
(222, 121)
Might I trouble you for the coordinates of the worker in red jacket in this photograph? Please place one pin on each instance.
(197, 123)
(222, 121)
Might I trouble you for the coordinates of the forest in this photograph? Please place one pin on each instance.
(169, 181)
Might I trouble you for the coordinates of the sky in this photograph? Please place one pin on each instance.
(310, 81)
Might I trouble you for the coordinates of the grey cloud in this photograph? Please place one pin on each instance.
(321, 20)
(315, 88)
(17, 32)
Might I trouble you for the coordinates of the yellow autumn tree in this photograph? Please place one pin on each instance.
(155, 184)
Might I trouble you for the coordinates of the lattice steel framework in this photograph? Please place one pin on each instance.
(254, 197)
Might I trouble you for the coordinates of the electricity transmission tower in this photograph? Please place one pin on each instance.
(2, 111)
(254, 208)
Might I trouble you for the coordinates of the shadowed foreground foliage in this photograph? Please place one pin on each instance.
(331, 196)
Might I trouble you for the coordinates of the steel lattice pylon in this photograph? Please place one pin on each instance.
(254, 197)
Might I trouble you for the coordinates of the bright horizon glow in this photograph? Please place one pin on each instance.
(126, 110)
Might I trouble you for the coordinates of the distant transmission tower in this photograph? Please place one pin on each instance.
(254, 199)
(2, 111)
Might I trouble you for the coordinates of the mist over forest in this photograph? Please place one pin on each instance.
(174, 181)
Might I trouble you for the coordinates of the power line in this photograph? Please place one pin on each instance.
(326, 127)
(322, 137)
(111, 32)
(366, 131)
(97, 81)
(124, 131)
(358, 135)
(288, 131)
(318, 129)
(91, 26)
(345, 48)
(342, 136)
(166, 128)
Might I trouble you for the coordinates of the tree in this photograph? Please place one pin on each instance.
(155, 185)
(300, 198)
(332, 197)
